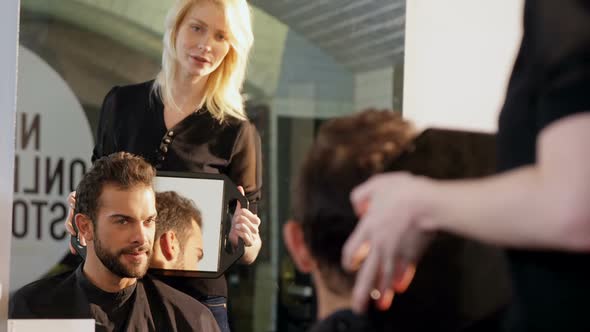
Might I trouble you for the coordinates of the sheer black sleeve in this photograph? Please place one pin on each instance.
(245, 167)
(106, 139)
(562, 47)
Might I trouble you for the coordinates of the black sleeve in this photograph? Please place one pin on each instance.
(245, 167)
(17, 308)
(562, 45)
(106, 139)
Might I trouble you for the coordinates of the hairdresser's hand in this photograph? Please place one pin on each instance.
(245, 226)
(70, 220)
(387, 240)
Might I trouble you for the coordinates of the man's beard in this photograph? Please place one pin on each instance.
(113, 263)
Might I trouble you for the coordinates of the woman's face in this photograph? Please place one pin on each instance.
(202, 40)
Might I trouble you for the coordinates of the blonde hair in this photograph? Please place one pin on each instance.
(223, 97)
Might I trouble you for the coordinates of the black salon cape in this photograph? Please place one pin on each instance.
(156, 306)
(347, 321)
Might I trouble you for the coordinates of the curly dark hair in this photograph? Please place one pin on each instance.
(351, 149)
(122, 169)
(347, 151)
(176, 213)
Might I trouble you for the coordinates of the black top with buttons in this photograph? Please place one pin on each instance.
(550, 81)
(132, 120)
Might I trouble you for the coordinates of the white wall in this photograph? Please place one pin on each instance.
(458, 58)
(374, 89)
(8, 44)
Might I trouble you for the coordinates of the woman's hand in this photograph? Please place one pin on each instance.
(245, 226)
(386, 240)
(70, 219)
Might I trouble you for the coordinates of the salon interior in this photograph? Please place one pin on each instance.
(311, 61)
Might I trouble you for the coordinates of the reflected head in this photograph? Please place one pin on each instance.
(178, 214)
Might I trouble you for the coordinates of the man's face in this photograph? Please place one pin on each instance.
(125, 229)
(192, 248)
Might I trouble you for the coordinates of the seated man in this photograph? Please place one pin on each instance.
(179, 240)
(348, 151)
(116, 215)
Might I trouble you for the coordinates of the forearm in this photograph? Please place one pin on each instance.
(522, 208)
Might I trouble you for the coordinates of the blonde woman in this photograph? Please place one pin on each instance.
(192, 118)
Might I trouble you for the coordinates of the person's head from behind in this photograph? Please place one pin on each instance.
(179, 241)
(116, 212)
(208, 39)
(346, 152)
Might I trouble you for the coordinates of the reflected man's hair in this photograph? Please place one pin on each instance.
(346, 152)
(175, 213)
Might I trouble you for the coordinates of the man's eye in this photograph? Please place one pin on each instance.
(122, 221)
(150, 221)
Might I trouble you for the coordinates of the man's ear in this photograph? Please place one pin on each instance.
(295, 242)
(169, 246)
(85, 227)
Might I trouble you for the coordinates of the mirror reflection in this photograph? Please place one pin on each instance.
(178, 244)
(191, 211)
(311, 61)
(239, 90)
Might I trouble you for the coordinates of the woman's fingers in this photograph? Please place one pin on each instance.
(253, 218)
(69, 223)
(72, 199)
(248, 223)
(363, 288)
(245, 235)
(72, 250)
(403, 277)
(355, 249)
(361, 195)
(70, 219)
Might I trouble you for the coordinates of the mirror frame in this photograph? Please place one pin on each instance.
(227, 254)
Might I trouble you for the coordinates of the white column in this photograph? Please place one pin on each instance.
(458, 57)
(9, 18)
(374, 89)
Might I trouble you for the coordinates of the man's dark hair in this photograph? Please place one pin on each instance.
(176, 213)
(347, 151)
(121, 169)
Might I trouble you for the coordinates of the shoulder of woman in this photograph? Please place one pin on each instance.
(245, 132)
(133, 91)
(128, 97)
(240, 124)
